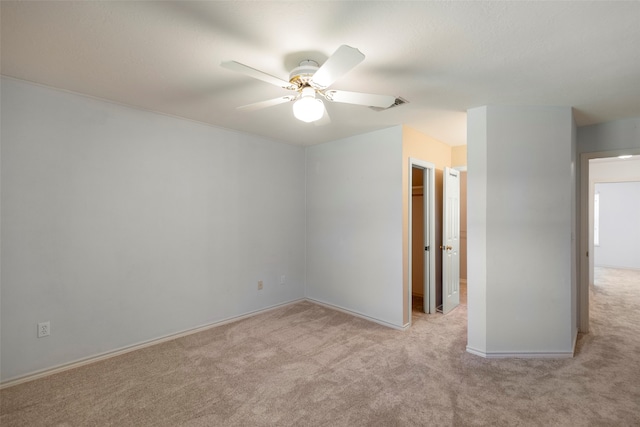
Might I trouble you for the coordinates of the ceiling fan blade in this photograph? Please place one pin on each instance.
(338, 64)
(325, 119)
(268, 103)
(257, 74)
(368, 99)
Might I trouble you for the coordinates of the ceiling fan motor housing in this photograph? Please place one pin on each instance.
(302, 74)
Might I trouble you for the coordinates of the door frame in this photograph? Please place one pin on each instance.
(448, 262)
(429, 289)
(585, 245)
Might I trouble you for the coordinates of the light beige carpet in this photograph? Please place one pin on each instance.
(306, 365)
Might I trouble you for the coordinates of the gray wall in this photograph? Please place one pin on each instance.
(597, 141)
(520, 187)
(619, 225)
(614, 135)
(121, 226)
(609, 169)
(354, 224)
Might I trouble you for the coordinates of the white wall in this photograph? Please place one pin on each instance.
(608, 170)
(597, 141)
(520, 159)
(477, 174)
(121, 226)
(354, 224)
(614, 135)
(575, 231)
(619, 225)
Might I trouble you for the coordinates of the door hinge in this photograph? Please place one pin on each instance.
(426, 248)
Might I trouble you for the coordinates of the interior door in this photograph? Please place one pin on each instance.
(451, 240)
(427, 204)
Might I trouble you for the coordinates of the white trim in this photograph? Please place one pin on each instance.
(613, 159)
(528, 355)
(127, 349)
(476, 352)
(360, 315)
(531, 355)
(428, 294)
(460, 168)
(521, 355)
(616, 267)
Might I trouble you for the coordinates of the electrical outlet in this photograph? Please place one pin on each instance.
(259, 285)
(44, 329)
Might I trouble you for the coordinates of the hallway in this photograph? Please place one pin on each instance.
(615, 305)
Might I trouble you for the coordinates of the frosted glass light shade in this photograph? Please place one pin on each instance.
(308, 108)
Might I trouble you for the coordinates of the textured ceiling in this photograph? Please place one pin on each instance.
(444, 58)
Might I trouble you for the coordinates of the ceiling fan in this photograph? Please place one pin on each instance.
(309, 80)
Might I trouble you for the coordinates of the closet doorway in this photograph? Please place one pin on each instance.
(422, 249)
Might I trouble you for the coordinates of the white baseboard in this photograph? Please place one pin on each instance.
(123, 350)
(521, 355)
(360, 315)
(617, 267)
(476, 352)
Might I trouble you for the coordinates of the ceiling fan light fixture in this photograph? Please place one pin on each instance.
(308, 108)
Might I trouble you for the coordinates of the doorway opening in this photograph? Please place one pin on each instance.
(616, 170)
(422, 239)
(434, 239)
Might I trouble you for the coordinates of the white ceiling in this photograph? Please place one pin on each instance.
(443, 57)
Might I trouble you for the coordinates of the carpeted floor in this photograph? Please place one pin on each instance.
(306, 365)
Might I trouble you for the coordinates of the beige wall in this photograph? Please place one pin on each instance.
(459, 156)
(417, 145)
(463, 225)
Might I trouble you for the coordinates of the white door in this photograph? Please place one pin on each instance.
(429, 284)
(451, 240)
(428, 258)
